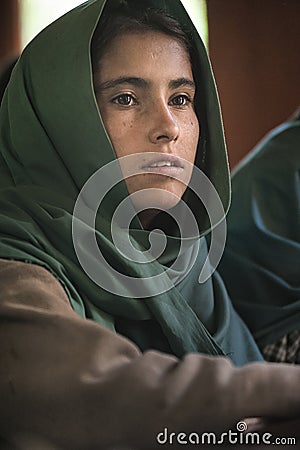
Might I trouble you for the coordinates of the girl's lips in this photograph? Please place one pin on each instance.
(171, 171)
(164, 165)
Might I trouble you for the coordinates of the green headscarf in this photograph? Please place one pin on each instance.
(52, 140)
(261, 263)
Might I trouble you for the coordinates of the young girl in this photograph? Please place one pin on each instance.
(106, 347)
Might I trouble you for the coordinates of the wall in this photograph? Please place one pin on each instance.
(9, 31)
(255, 51)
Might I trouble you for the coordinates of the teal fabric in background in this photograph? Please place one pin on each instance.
(52, 140)
(261, 263)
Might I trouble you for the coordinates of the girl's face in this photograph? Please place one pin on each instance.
(145, 92)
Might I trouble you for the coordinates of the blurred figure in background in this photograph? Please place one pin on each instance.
(261, 263)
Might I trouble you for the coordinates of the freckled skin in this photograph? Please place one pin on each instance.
(153, 118)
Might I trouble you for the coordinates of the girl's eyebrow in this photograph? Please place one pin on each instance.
(182, 82)
(142, 83)
(135, 81)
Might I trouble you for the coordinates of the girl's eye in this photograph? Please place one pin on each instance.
(124, 100)
(180, 100)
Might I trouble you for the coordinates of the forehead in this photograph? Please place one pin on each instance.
(152, 53)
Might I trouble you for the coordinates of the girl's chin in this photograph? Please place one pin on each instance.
(156, 199)
(162, 196)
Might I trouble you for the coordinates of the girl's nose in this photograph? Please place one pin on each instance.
(164, 127)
